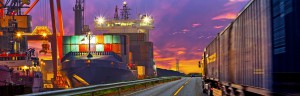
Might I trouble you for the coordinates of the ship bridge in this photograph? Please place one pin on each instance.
(142, 24)
(131, 26)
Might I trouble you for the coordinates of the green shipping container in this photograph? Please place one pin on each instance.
(76, 39)
(75, 48)
(67, 49)
(116, 39)
(67, 40)
(100, 47)
(108, 39)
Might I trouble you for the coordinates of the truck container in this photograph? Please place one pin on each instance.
(256, 54)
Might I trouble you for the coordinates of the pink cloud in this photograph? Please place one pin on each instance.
(229, 16)
(234, 2)
(218, 27)
(185, 30)
(196, 25)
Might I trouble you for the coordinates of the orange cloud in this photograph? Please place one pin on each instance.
(197, 54)
(218, 27)
(186, 66)
(174, 49)
(229, 16)
(180, 52)
(164, 59)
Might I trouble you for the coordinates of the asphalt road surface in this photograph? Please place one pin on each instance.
(186, 86)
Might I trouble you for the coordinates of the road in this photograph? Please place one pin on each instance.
(186, 86)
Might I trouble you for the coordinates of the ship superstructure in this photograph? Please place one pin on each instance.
(143, 24)
(141, 49)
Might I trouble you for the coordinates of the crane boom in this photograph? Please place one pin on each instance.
(31, 6)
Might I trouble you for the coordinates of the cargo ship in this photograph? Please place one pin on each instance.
(114, 56)
(103, 60)
(20, 72)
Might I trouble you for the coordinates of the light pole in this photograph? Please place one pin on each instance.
(89, 38)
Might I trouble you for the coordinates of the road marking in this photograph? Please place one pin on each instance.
(178, 90)
(181, 87)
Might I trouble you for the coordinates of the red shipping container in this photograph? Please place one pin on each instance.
(83, 48)
(107, 47)
(116, 48)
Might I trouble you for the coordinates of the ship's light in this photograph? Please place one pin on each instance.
(25, 67)
(124, 2)
(147, 19)
(100, 20)
(19, 34)
(44, 34)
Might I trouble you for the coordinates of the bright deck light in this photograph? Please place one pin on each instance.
(100, 20)
(19, 34)
(44, 34)
(147, 19)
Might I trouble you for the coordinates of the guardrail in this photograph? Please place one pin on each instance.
(106, 89)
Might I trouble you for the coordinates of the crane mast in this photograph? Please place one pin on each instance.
(79, 16)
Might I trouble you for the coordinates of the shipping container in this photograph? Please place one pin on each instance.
(256, 52)
(108, 39)
(77, 39)
(107, 47)
(74, 48)
(99, 39)
(67, 40)
(116, 39)
(99, 47)
(212, 60)
(83, 48)
(66, 49)
(116, 48)
(224, 54)
(93, 47)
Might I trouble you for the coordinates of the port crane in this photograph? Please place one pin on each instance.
(12, 24)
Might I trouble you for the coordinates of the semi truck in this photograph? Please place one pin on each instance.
(257, 53)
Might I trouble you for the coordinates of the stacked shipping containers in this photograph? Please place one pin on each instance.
(79, 43)
(258, 52)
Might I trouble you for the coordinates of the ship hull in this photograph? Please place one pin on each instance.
(80, 73)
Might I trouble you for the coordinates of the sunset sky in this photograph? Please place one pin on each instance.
(182, 27)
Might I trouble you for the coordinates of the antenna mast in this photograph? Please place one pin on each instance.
(116, 16)
(125, 11)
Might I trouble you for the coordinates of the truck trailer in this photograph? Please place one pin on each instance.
(257, 53)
